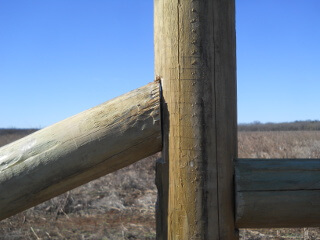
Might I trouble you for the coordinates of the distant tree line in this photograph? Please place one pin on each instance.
(8, 131)
(308, 125)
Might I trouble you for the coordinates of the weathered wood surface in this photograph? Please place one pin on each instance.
(79, 149)
(195, 60)
(277, 193)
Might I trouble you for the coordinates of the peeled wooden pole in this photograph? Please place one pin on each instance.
(276, 193)
(195, 60)
(79, 149)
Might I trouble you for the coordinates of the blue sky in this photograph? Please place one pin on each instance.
(278, 60)
(58, 57)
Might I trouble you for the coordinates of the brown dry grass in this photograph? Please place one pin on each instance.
(121, 205)
(286, 144)
(10, 135)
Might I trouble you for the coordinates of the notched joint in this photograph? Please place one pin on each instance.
(158, 79)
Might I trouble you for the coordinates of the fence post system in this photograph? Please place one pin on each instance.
(196, 63)
(204, 191)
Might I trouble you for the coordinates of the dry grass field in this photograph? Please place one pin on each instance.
(121, 205)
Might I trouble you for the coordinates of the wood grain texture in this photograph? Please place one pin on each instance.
(195, 59)
(277, 193)
(79, 149)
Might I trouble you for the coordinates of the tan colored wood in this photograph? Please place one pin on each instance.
(79, 149)
(195, 60)
(272, 193)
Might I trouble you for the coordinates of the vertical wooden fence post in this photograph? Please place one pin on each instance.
(195, 60)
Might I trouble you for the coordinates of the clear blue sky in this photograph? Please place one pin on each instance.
(58, 57)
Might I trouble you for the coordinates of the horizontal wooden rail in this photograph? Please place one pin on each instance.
(79, 149)
(277, 193)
